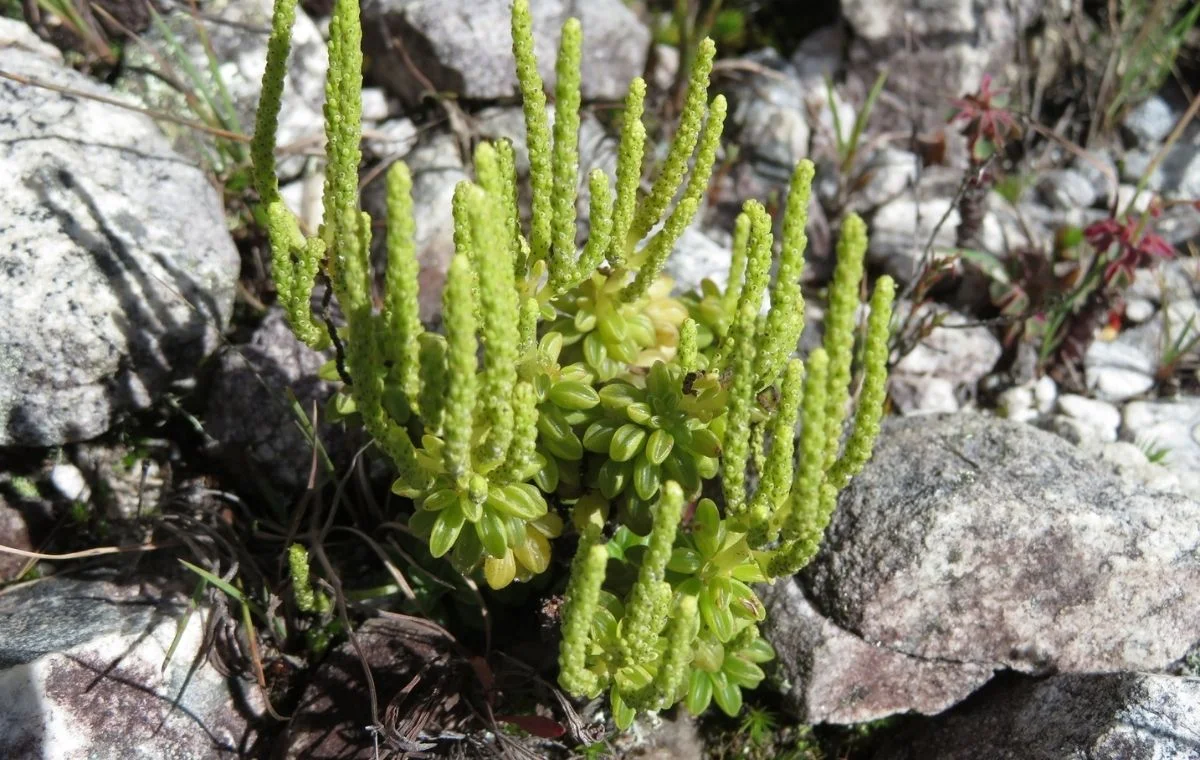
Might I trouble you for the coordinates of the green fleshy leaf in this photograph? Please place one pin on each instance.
(445, 530)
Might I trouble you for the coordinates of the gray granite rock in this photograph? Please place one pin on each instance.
(1066, 189)
(932, 50)
(116, 268)
(948, 362)
(970, 543)
(84, 676)
(1172, 427)
(237, 33)
(902, 229)
(465, 46)
(887, 174)
(769, 113)
(1101, 418)
(1098, 716)
(1150, 121)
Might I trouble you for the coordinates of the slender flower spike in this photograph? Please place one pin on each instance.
(403, 273)
(652, 207)
(580, 603)
(458, 309)
(870, 400)
(629, 171)
(839, 328)
(642, 625)
(566, 153)
(537, 129)
(785, 321)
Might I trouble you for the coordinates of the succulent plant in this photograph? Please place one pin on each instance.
(570, 382)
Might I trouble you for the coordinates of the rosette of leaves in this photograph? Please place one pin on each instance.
(610, 335)
(651, 431)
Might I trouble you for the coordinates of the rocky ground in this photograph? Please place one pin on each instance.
(1016, 574)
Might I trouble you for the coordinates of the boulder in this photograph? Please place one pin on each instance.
(116, 267)
(465, 46)
(973, 544)
(1099, 716)
(84, 675)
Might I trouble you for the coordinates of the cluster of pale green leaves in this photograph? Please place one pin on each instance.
(568, 381)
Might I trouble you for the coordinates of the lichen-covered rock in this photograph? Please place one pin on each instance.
(116, 269)
(971, 542)
(84, 676)
(464, 46)
(1098, 716)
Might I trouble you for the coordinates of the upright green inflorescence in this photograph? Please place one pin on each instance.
(568, 381)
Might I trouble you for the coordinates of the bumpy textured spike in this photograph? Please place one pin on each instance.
(530, 312)
(758, 272)
(487, 169)
(501, 329)
(661, 245)
(458, 313)
(839, 328)
(302, 590)
(741, 361)
(874, 388)
(294, 264)
(667, 182)
(343, 127)
(641, 626)
(689, 354)
(658, 249)
(266, 118)
(776, 479)
(599, 236)
(629, 170)
(402, 311)
(524, 442)
(681, 632)
(580, 602)
(785, 321)
(506, 160)
(566, 154)
(802, 509)
(537, 129)
(432, 399)
(737, 264)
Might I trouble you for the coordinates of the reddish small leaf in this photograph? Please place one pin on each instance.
(545, 728)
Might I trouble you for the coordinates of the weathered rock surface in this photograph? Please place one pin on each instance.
(1172, 427)
(1108, 716)
(933, 50)
(249, 413)
(465, 46)
(237, 31)
(82, 677)
(116, 269)
(946, 364)
(974, 543)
